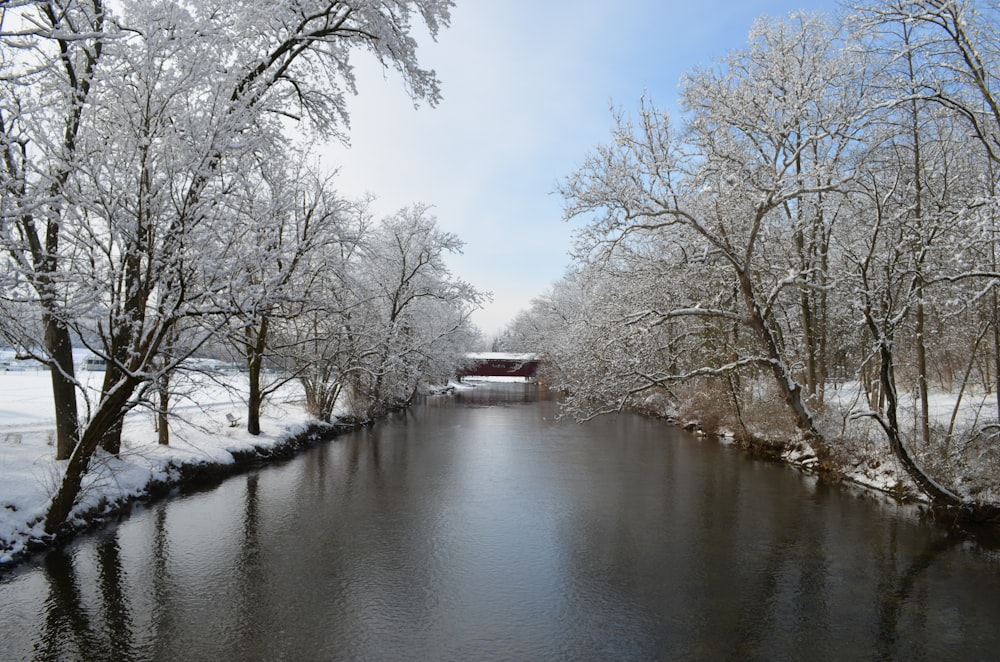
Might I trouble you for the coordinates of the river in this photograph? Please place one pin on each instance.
(481, 527)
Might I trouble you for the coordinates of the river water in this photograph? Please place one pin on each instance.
(480, 527)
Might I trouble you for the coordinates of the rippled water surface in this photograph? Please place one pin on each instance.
(481, 527)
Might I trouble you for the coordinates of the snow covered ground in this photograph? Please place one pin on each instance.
(968, 465)
(200, 432)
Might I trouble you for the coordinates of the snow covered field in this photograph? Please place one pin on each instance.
(200, 432)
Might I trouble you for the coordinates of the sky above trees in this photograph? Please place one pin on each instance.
(527, 91)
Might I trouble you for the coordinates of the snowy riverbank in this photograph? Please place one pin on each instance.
(201, 435)
(204, 440)
(208, 437)
(963, 453)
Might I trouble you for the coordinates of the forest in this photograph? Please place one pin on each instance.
(804, 254)
(160, 202)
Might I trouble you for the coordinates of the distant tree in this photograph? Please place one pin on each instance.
(385, 315)
(282, 218)
(549, 326)
(329, 335)
(422, 311)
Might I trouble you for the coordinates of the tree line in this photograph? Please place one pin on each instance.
(158, 199)
(822, 208)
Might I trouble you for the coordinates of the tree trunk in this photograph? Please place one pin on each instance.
(918, 212)
(111, 438)
(254, 399)
(925, 426)
(812, 351)
(108, 414)
(60, 350)
(255, 364)
(996, 328)
(162, 418)
(890, 423)
(823, 367)
(996, 352)
(789, 388)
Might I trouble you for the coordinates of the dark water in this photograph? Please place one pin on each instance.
(480, 528)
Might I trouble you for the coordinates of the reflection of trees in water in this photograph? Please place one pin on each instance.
(895, 595)
(493, 394)
(250, 580)
(115, 608)
(638, 542)
(163, 582)
(794, 593)
(250, 548)
(727, 562)
(753, 560)
(71, 630)
(67, 632)
(621, 533)
(788, 584)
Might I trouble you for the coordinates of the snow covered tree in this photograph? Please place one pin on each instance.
(421, 310)
(385, 315)
(925, 243)
(193, 88)
(322, 329)
(768, 135)
(815, 180)
(897, 262)
(283, 216)
(957, 44)
(52, 51)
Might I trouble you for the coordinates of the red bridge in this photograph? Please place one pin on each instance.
(499, 364)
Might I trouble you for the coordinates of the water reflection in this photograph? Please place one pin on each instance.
(483, 527)
(114, 608)
(67, 626)
(898, 597)
(250, 573)
(163, 606)
(74, 630)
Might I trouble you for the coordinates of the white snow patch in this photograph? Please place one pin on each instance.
(199, 433)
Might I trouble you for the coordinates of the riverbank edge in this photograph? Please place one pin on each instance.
(191, 475)
(184, 475)
(982, 522)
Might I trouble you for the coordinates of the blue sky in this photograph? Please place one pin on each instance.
(527, 91)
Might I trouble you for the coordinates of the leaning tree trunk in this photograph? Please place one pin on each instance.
(111, 437)
(889, 421)
(788, 386)
(109, 413)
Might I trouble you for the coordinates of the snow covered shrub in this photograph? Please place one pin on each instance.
(704, 404)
